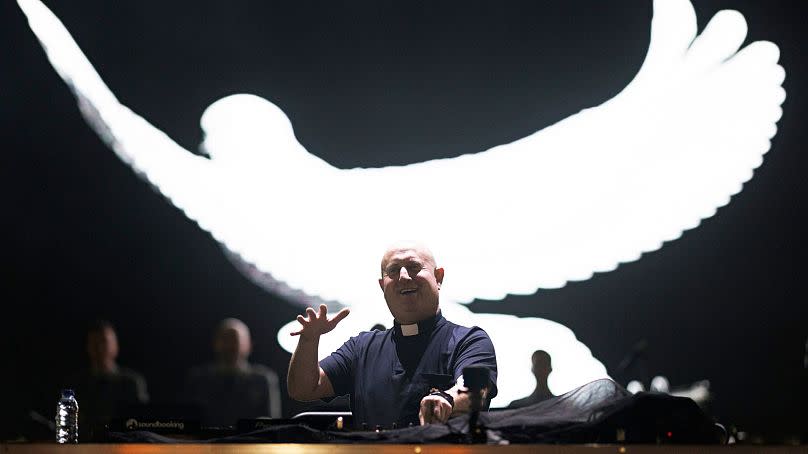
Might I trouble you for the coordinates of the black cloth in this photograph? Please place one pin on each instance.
(530, 400)
(604, 412)
(104, 396)
(226, 395)
(386, 374)
(599, 412)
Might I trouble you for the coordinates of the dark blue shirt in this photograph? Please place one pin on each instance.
(387, 374)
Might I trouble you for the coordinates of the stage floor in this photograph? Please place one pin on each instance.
(269, 448)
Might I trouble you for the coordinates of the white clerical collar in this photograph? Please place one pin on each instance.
(409, 330)
(420, 327)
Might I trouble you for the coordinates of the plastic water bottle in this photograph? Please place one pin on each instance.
(67, 418)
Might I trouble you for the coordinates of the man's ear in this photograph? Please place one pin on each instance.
(381, 284)
(439, 276)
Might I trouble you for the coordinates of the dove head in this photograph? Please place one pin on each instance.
(244, 127)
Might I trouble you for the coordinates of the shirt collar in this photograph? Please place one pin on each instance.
(415, 329)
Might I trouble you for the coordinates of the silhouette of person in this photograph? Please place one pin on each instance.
(232, 388)
(542, 366)
(105, 388)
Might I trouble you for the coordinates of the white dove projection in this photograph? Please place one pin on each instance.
(590, 192)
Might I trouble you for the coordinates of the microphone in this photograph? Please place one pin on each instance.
(476, 380)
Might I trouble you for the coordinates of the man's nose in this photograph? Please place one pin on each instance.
(403, 273)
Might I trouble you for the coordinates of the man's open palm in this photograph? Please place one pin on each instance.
(316, 324)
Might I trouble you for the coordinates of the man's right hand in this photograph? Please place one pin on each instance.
(316, 324)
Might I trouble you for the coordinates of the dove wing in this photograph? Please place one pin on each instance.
(237, 203)
(610, 183)
(147, 149)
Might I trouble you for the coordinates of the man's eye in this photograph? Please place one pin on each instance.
(396, 270)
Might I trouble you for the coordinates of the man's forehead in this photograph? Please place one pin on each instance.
(407, 253)
(231, 326)
(398, 256)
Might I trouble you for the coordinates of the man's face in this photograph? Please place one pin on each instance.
(410, 283)
(102, 345)
(232, 344)
(542, 365)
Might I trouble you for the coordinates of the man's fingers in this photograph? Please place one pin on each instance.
(434, 410)
(301, 319)
(310, 312)
(446, 411)
(425, 415)
(323, 310)
(340, 315)
(296, 333)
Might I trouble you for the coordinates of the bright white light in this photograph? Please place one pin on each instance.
(699, 391)
(635, 387)
(582, 196)
(660, 384)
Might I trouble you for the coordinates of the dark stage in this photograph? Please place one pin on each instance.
(372, 84)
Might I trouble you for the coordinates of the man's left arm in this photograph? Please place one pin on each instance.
(475, 350)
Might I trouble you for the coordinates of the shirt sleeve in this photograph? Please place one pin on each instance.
(476, 349)
(339, 366)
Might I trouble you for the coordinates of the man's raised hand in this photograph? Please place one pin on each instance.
(316, 324)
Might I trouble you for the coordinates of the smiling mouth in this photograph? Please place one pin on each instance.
(407, 291)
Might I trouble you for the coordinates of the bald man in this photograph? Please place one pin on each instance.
(408, 374)
(232, 388)
(542, 366)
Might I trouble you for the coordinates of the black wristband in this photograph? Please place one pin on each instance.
(445, 395)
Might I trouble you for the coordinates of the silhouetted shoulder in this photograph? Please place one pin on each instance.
(260, 369)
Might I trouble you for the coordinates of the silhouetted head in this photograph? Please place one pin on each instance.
(542, 364)
(410, 282)
(102, 345)
(231, 342)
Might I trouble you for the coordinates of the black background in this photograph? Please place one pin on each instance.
(374, 83)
